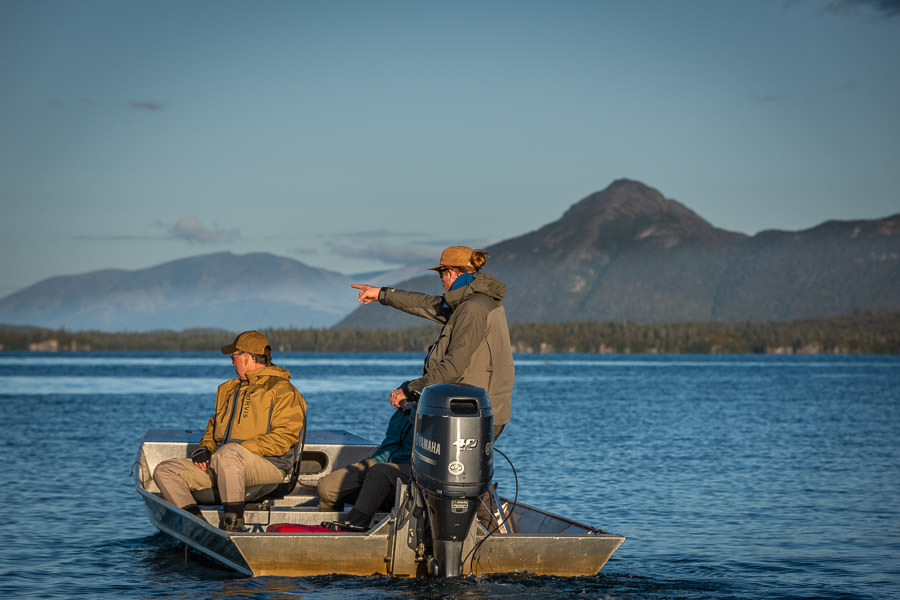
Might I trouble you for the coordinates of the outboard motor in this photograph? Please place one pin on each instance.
(452, 464)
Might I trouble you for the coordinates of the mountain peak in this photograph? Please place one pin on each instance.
(629, 213)
(627, 201)
(623, 199)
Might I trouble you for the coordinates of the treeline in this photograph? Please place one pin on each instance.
(870, 332)
(860, 333)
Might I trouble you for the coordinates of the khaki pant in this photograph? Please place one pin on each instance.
(232, 468)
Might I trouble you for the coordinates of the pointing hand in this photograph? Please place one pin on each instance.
(368, 293)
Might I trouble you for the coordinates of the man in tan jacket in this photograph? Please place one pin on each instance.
(251, 439)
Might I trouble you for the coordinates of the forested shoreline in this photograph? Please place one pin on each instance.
(869, 332)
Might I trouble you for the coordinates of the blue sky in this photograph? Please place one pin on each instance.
(362, 135)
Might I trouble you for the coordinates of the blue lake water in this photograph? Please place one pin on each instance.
(731, 476)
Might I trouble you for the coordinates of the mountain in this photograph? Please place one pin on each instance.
(234, 292)
(624, 253)
(393, 276)
(629, 253)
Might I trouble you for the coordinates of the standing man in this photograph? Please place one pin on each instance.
(252, 438)
(473, 346)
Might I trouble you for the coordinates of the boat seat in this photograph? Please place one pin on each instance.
(312, 463)
(265, 491)
(253, 493)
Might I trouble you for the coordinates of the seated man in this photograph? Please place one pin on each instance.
(251, 439)
(370, 484)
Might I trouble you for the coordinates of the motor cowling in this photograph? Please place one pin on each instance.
(453, 465)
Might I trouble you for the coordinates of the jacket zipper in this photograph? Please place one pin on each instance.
(231, 417)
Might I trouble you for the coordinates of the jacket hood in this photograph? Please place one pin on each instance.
(483, 283)
(270, 371)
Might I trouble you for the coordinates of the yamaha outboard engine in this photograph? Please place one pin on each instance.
(453, 465)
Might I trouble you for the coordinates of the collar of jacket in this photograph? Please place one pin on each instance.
(270, 371)
(482, 283)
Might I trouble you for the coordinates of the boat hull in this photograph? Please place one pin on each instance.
(535, 542)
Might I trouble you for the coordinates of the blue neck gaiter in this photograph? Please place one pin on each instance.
(462, 280)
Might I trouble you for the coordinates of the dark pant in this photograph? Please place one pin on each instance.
(378, 488)
(342, 485)
(367, 484)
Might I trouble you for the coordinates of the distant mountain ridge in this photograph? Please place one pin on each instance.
(628, 253)
(624, 253)
(225, 290)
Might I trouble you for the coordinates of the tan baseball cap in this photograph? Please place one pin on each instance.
(250, 341)
(455, 256)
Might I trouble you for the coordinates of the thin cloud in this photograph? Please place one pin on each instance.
(416, 238)
(302, 251)
(400, 254)
(391, 254)
(480, 244)
(188, 229)
(884, 9)
(191, 230)
(116, 238)
(378, 233)
(151, 105)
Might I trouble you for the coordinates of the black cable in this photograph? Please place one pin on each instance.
(496, 528)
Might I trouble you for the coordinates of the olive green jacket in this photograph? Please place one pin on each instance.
(264, 413)
(473, 347)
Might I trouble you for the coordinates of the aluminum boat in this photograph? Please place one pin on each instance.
(522, 539)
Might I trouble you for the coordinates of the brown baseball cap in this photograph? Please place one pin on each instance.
(250, 341)
(455, 256)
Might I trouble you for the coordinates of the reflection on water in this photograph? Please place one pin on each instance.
(69, 360)
(37, 386)
(731, 477)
